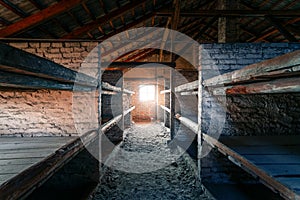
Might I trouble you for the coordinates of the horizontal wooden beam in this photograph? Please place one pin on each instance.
(106, 92)
(233, 13)
(108, 125)
(165, 91)
(188, 86)
(129, 110)
(108, 86)
(188, 123)
(285, 65)
(284, 85)
(165, 108)
(21, 81)
(128, 91)
(189, 93)
(126, 65)
(18, 61)
(39, 17)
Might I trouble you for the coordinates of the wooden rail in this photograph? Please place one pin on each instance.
(282, 66)
(165, 91)
(189, 93)
(108, 86)
(188, 123)
(128, 91)
(14, 60)
(129, 110)
(165, 108)
(188, 86)
(108, 92)
(108, 125)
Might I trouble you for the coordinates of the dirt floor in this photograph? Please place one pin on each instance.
(144, 167)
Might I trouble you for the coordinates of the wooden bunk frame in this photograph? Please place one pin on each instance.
(19, 69)
(277, 75)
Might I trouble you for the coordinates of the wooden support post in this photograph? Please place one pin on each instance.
(122, 125)
(228, 30)
(166, 100)
(172, 104)
(199, 131)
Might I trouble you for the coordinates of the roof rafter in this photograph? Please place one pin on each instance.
(39, 17)
(100, 21)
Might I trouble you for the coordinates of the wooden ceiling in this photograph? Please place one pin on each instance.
(259, 20)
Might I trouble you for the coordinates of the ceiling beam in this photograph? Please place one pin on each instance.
(39, 17)
(104, 19)
(281, 29)
(233, 13)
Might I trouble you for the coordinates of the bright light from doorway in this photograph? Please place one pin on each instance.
(147, 93)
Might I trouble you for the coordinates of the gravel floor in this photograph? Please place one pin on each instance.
(143, 167)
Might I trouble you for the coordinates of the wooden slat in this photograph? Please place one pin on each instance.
(259, 140)
(282, 85)
(39, 17)
(108, 125)
(33, 176)
(165, 108)
(18, 61)
(233, 13)
(244, 163)
(189, 93)
(13, 80)
(267, 150)
(282, 65)
(274, 159)
(128, 91)
(165, 91)
(188, 123)
(108, 86)
(129, 110)
(280, 170)
(188, 86)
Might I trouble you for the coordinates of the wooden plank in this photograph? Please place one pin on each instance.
(39, 17)
(129, 110)
(18, 61)
(40, 172)
(128, 91)
(18, 155)
(248, 166)
(274, 159)
(189, 93)
(165, 108)
(267, 150)
(188, 86)
(188, 123)
(232, 13)
(21, 161)
(106, 92)
(49, 139)
(283, 85)
(108, 86)
(280, 170)
(292, 182)
(165, 91)
(233, 141)
(108, 125)
(13, 80)
(262, 69)
(28, 146)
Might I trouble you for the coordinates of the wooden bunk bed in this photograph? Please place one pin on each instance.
(273, 160)
(26, 163)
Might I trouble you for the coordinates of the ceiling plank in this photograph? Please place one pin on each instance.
(104, 19)
(281, 29)
(233, 13)
(39, 17)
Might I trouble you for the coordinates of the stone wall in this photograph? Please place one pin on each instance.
(46, 112)
(241, 115)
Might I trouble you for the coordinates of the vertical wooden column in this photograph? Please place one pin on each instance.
(122, 125)
(228, 27)
(172, 104)
(99, 90)
(199, 132)
(167, 101)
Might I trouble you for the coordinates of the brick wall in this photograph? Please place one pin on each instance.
(47, 112)
(270, 114)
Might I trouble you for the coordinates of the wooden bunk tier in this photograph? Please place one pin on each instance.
(273, 160)
(26, 163)
(19, 69)
(277, 75)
